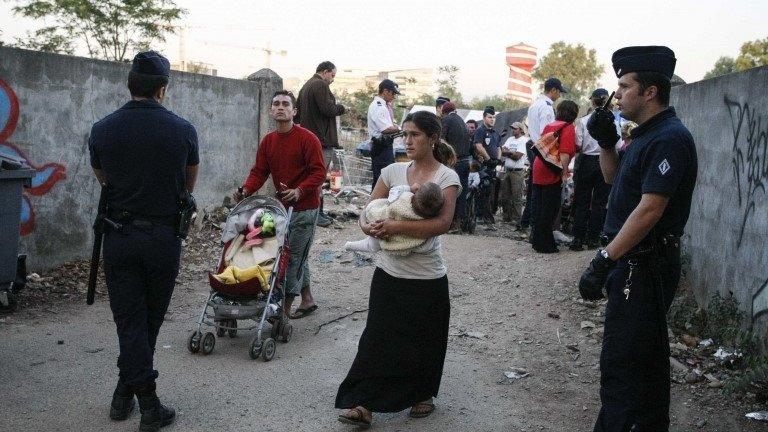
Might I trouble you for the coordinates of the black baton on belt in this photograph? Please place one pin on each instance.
(99, 226)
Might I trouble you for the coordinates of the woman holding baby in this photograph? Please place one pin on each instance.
(400, 356)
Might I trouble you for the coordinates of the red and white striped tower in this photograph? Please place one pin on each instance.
(521, 59)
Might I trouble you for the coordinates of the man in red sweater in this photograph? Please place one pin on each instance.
(294, 157)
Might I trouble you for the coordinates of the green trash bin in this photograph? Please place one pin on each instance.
(11, 183)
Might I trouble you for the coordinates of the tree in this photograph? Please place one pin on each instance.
(499, 103)
(447, 84)
(108, 28)
(574, 65)
(356, 104)
(723, 65)
(753, 54)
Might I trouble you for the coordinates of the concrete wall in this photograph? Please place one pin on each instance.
(60, 97)
(727, 233)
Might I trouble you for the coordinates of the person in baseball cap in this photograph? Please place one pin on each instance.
(554, 83)
(390, 85)
(151, 63)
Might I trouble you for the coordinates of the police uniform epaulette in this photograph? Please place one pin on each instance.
(378, 103)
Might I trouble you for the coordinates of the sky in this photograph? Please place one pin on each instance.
(398, 34)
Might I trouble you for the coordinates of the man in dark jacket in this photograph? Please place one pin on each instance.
(456, 135)
(317, 110)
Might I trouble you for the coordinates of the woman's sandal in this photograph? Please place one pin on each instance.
(417, 411)
(357, 420)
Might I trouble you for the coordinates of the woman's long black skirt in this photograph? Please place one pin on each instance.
(401, 353)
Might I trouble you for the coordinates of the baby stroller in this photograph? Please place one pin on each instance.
(248, 285)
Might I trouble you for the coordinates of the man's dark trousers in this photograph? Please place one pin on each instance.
(590, 196)
(634, 362)
(462, 169)
(140, 264)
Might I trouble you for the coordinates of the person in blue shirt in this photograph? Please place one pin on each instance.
(487, 150)
(653, 184)
(147, 158)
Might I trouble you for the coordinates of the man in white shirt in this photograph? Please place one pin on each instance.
(590, 195)
(381, 123)
(540, 114)
(515, 159)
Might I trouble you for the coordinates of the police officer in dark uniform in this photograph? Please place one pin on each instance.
(147, 158)
(487, 143)
(640, 268)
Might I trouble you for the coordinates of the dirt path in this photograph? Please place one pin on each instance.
(57, 361)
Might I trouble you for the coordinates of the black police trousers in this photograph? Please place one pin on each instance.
(376, 168)
(140, 264)
(590, 197)
(462, 169)
(548, 203)
(634, 362)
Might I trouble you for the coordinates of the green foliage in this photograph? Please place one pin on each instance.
(723, 65)
(447, 84)
(356, 104)
(752, 54)
(754, 380)
(499, 102)
(574, 65)
(108, 28)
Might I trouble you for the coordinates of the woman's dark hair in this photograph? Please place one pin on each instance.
(567, 111)
(660, 81)
(430, 124)
(146, 86)
(325, 66)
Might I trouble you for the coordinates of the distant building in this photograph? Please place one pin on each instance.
(521, 59)
(413, 83)
(195, 67)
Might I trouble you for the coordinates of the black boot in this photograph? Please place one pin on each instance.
(122, 402)
(154, 415)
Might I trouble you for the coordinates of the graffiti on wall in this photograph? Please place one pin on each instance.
(750, 157)
(46, 175)
(760, 301)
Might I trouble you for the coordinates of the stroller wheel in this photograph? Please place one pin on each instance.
(209, 341)
(233, 331)
(286, 331)
(220, 332)
(255, 350)
(268, 352)
(193, 343)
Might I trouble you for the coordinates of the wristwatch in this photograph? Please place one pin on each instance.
(605, 255)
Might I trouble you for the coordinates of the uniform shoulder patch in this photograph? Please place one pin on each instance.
(378, 103)
(664, 167)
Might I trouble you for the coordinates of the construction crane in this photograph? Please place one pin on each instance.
(268, 50)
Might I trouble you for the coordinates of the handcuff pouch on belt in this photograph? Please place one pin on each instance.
(187, 212)
(656, 247)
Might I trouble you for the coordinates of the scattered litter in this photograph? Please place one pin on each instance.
(758, 415)
(701, 423)
(677, 366)
(689, 340)
(516, 373)
(573, 347)
(362, 260)
(166, 346)
(326, 256)
(554, 315)
(94, 350)
(724, 355)
(706, 342)
(587, 325)
(475, 335)
(59, 342)
(33, 277)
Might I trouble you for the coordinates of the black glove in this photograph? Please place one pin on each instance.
(602, 128)
(593, 280)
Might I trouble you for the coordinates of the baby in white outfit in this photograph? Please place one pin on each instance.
(403, 203)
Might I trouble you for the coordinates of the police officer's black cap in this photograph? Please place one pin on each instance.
(151, 63)
(489, 110)
(388, 84)
(441, 100)
(554, 83)
(600, 93)
(644, 59)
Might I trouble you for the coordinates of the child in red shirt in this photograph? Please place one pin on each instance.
(547, 183)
